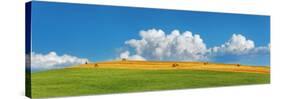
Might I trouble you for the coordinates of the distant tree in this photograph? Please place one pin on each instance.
(124, 59)
(86, 62)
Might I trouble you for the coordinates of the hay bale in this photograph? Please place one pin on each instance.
(96, 65)
(205, 63)
(175, 65)
(238, 65)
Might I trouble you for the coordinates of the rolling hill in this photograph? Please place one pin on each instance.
(138, 76)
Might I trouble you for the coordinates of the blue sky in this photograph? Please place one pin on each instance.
(98, 33)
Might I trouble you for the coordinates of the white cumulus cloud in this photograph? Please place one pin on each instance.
(126, 55)
(53, 61)
(155, 44)
(239, 45)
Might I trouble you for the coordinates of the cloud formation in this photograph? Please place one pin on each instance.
(53, 61)
(239, 45)
(155, 44)
(126, 55)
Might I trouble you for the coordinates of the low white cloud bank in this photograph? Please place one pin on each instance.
(126, 55)
(239, 45)
(155, 44)
(53, 61)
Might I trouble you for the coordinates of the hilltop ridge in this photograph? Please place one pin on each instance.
(164, 65)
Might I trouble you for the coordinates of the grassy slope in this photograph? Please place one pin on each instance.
(71, 82)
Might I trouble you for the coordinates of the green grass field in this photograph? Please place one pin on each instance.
(79, 81)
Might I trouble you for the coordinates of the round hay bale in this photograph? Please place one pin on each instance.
(238, 65)
(206, 63)
(175, 65)
(96, 65)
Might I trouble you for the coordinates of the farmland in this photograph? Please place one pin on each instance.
(138, 76)
(174, 65)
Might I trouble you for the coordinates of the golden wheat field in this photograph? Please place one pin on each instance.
(162, 65)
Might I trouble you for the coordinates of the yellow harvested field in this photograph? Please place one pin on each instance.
(162, 65)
